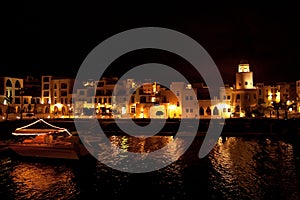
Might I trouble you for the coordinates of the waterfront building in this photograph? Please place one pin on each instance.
(56, 95)
(10, 95)
(245, 94)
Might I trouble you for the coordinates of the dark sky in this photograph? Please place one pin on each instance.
(55, 39)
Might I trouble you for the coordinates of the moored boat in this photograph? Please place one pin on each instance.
(42, 139)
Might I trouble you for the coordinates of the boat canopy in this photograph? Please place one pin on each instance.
(39, 127)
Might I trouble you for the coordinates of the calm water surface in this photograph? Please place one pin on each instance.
(237, 168)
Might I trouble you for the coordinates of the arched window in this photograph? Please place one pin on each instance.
(208, 111)
(201, 111)
(237, 108)
(215, 111)
(238, 98)
(8, 83)
(17, 84)
(47, 109)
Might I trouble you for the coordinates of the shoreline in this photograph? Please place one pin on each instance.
(232, 127)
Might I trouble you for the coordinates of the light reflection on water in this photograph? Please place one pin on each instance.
(236, 168)
(37, 180)
(253, 169)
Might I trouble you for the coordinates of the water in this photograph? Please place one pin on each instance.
(237, 168)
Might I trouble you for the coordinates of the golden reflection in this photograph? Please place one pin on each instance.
(140, 144)
(33, 177)
(170, 147)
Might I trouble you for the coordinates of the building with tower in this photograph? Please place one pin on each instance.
(244, 94)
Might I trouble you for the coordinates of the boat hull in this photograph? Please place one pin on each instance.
(45, 151)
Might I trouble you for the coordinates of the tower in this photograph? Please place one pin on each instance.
(245, 94)
(244, 77)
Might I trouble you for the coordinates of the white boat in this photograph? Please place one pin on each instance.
(42, 139)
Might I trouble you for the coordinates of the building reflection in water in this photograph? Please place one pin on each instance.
(36, 181)
(253, 168)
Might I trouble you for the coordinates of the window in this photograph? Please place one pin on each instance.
(224, 97)
(224, 109)
(63, 86)
(17, 100)
(63, 93)
(100, 84)
(201, 111)
(132, 110)
(238, 97)
(191, 97)
(81, 92)
(17, 85)
(142, 99)
(46, 79)
(187, 110)
(46, 93)
(177, 93)
(246, 83)
(228, 97)
(208, 111)
(186, 98)
(8, 83)
(99, 92)
(46, 86)
(215, 111)
(191, 110)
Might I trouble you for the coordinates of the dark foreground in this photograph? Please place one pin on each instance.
(236, 168)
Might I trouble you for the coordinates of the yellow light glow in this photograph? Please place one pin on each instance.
(277, 97)
(58, 105)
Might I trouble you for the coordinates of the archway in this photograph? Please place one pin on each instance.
(63, 110)
(47, 109)
(55, 110)
(215, 111)
(208, 111)
(201, 111)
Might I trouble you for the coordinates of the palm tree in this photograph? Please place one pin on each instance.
(21, 111)
(277, 106)
(9, 100)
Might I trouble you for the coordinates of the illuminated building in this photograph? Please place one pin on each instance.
(56, 94)
(10, 94)
(244, 93)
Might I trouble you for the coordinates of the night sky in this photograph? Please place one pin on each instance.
(55, 39)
